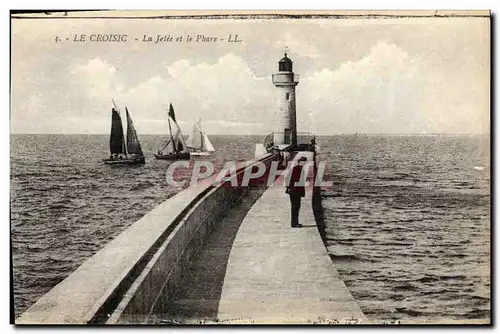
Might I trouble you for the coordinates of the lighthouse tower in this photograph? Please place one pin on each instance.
(285, 126)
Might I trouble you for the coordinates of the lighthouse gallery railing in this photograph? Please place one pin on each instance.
(303, 140)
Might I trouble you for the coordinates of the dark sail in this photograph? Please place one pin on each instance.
(116, 142)
(133, 145)
(171, 112)
(176, 137)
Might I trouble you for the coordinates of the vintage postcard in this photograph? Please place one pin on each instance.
(278, 167)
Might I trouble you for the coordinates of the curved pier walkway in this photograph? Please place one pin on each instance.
(257, 269)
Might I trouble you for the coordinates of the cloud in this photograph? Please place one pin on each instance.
(389, 91)
(356, 75)
(381, 92)
(386, 91)
(226, 90)
(230, 82)
(96, 78)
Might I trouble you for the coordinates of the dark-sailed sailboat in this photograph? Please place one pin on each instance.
(175, 146)
(124, 152)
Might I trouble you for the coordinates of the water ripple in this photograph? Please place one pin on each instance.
(66, 204)
(410, 238)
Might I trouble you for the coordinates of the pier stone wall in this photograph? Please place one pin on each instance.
(125, 280)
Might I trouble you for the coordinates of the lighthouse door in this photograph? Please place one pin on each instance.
(288, 136)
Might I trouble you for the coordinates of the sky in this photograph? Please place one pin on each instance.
(398, 75)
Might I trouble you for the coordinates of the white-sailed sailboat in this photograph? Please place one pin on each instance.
(198, 141)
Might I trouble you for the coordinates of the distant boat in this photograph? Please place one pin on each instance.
(198, 141)
(175, 146)
(123, 152)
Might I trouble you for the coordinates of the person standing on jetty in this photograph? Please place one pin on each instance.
(312, 145)
(295, 188)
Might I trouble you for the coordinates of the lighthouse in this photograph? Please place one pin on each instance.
(285, 126)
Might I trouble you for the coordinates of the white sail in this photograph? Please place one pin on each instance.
(199, 140)
(195, 139)
(207, 144)
(189, 140)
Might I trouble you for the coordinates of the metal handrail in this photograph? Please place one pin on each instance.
(303, 138)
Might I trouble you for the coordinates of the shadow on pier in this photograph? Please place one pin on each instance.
(318, 212)
(198, 296)
(317, 206)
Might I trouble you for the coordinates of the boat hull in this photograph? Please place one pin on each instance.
(178, 156)
(203, 153)
(126, 161)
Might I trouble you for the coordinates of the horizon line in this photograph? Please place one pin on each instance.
(266, 134)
